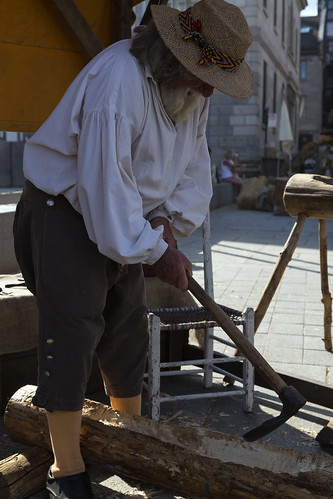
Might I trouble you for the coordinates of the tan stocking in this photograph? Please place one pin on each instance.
(130, 405)
(64, 428)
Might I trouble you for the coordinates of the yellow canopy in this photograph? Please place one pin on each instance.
(39, 57)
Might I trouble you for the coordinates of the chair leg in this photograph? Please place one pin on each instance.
(209, 354)
(154, 354)
(209, 287)
(248, 369)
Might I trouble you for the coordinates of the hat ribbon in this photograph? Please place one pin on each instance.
(210, 55)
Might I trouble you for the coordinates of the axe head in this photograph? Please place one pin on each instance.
(292, 401)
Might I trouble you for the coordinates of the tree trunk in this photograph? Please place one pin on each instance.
(21, 475)
(191, 460)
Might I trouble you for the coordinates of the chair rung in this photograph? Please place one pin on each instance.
(199, 362)
(192, 396)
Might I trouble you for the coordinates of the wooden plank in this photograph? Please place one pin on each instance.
(40, 58)
(77, 25)
(195, 461)
(126, 19)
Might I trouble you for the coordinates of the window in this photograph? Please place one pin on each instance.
(274, 92)
(329, 29)
(265, 4)
(275, 13)
(303, 70)
(291, 29)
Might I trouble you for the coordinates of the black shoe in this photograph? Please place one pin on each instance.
(69, 487)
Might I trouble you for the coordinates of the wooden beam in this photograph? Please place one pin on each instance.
(126, 18)
(77, 26)
(192, 460)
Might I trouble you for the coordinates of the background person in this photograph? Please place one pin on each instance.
(230, 169)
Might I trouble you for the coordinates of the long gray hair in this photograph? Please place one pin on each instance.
(149, 48)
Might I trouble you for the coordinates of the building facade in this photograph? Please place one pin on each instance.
(251, 127)
(312, 67)
(326, 7)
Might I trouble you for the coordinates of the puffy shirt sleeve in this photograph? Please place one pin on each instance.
(109, 199)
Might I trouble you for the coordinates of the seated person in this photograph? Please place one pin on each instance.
(230, 169)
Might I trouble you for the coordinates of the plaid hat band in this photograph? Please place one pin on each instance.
(210, 55)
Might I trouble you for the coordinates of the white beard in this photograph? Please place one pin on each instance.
(179, 102)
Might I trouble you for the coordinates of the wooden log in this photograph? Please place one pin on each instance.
(309, 194)
(191, 460)
(23, 474)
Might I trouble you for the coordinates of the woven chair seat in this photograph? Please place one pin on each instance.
(191, 317)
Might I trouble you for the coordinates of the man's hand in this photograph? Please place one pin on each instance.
(167, 232)
(172, 267)
(173, 264)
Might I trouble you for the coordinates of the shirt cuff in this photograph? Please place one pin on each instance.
(157, 252)
(160, 211)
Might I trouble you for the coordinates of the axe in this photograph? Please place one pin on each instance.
(291, 399)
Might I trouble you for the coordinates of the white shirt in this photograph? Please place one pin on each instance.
(226, 170)
(110, 148)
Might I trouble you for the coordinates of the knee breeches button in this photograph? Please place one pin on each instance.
(49, 357)
(50, 341)
(47, 373)
(50, 202)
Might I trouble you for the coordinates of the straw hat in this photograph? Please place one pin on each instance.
(210, 39)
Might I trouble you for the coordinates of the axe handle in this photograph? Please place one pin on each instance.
(261, 365)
